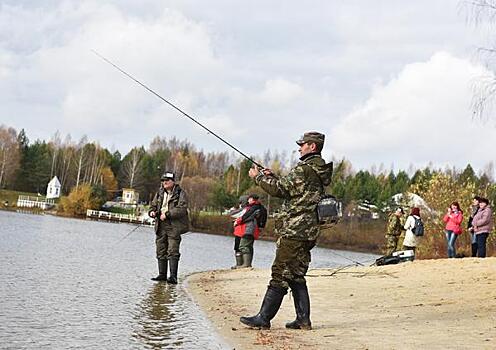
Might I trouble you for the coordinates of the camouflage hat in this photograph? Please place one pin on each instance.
(311, 136)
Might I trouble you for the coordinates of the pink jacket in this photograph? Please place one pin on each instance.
(483, 220)
(453, 222)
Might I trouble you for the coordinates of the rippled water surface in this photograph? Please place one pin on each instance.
(67, 283)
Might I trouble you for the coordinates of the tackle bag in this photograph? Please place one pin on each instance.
(387, 260)
(328, 210)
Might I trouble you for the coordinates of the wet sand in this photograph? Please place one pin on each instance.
(429, 304)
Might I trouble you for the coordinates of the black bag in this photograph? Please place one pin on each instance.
(418, 227)
(387, 260)
(328, 210)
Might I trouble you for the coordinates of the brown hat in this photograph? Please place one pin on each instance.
(311, 136)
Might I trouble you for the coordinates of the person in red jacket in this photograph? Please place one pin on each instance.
(248, 227)
(453, 229)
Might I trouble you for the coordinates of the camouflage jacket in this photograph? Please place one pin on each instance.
(177, 212)
(395, 225)
(301, 190)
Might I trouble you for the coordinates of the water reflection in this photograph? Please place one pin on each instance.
(155, 319)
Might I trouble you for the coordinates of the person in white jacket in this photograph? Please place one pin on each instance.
(411, 241)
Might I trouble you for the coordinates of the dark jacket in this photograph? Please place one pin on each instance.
(256, 211)
(178, 210)
(475, 209)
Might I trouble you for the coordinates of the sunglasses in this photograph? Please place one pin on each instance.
(165, 180)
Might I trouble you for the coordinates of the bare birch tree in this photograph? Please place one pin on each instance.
(67, 156)
(131, 170)
(9, 155)
(483, 13)
(55, 144)
(80, 157)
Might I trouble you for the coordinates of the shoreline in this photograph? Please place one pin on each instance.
(435, 304)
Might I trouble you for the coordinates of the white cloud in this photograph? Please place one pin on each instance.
(280, 91)
(422, 115)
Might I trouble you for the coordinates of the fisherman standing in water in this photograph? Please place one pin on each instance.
(297, 226)
(169, 207)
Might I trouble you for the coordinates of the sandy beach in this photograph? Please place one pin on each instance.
(428, 304)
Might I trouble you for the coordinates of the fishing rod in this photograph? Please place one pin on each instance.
(129, 233)
(345, 257)
(178, 109)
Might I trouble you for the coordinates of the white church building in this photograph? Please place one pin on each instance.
(53, 188)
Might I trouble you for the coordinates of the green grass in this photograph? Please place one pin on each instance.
(11, 196)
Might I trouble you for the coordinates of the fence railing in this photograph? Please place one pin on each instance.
(35, 202)
(105, 215)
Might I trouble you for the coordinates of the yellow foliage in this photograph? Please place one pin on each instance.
(439, 192)
(109, 182)
(78, 201)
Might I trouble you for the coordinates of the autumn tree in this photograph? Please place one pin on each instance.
(108, 182)
(79, 200)
(198, 189)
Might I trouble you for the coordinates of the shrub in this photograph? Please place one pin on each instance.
(78, 201)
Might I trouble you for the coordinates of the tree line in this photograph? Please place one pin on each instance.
(213, 180)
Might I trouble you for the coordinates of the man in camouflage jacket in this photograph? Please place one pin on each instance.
(169, 207)
(393, 233)
(297, 226)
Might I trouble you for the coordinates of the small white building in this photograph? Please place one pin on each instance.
(53, 188)
(130, 196)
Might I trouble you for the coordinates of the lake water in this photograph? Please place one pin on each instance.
(76, 284)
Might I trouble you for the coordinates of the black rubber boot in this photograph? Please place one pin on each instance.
(239, 260)
(173, 263)
(162, 270)
(302, 307)
(270, 305)
(247, 259)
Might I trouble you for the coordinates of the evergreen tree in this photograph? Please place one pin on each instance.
(34, 174)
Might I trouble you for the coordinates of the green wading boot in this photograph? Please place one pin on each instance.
(270, 305)
(239, 260)
(247, 259)
(173, 263)
(302, 307)
(162, 270)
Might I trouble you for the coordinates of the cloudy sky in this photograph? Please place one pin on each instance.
(389, 82)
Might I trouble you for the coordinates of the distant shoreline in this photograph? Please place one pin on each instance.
(323, 244)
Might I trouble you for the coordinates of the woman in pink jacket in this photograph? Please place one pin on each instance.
(453, 220)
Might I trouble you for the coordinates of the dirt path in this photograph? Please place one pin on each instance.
(428, 304)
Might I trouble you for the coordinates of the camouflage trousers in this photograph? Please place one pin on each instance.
(246, 245)
(167, 243)
(391, 244)
(291, 262)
